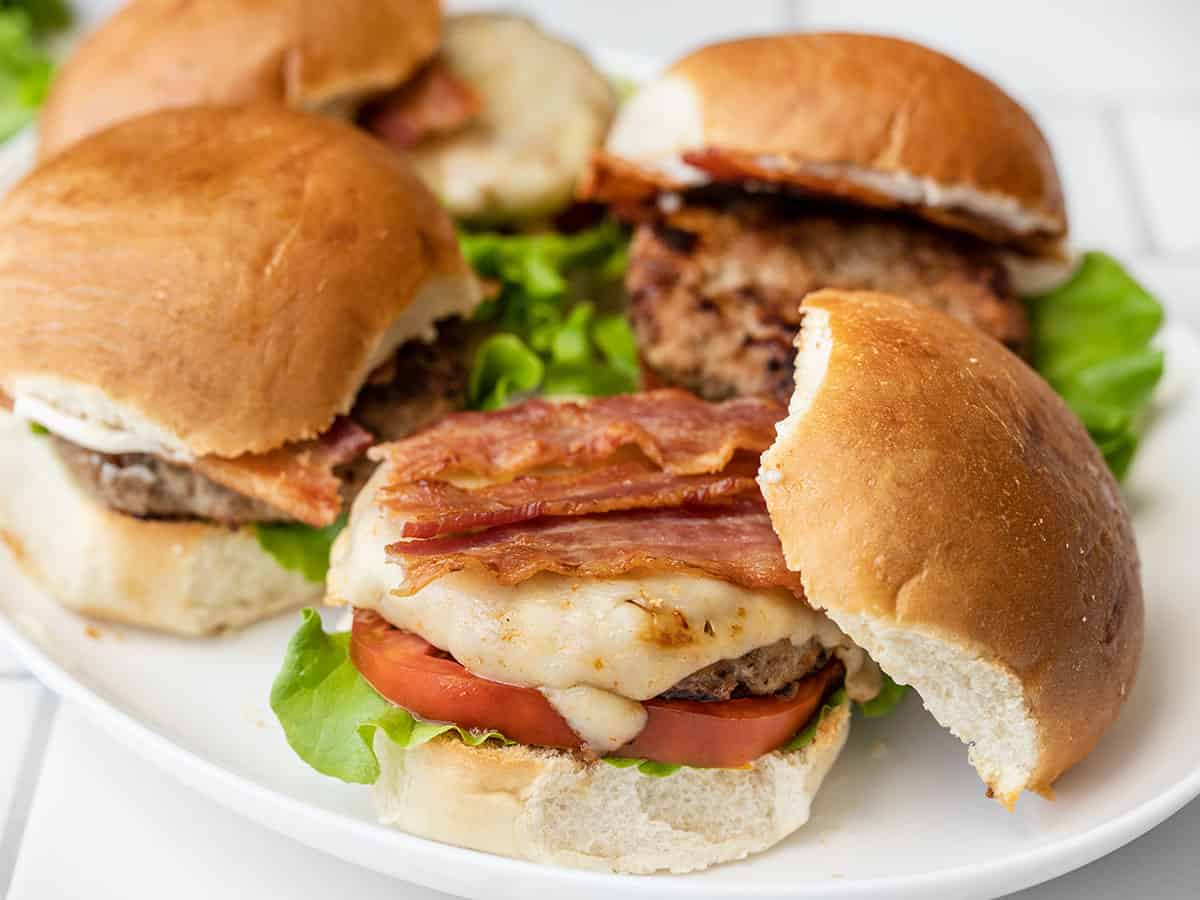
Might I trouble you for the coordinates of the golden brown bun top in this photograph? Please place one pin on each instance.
(946, 507)
(870, 118)
(318, 55)
(229, 275)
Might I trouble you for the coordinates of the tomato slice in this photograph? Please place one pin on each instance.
(412, 673)
(408, 670)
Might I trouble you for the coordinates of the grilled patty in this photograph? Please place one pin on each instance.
(716, 290)
(421, 384)
(767, 670)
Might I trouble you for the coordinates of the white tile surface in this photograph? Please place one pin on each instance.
(1077, 48)
(1164, 148)
(664, 27)
(18, 706)
(107, 826)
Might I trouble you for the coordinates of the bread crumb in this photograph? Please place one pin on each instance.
(93, 632)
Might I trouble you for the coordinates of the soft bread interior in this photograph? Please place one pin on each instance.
(552, 807)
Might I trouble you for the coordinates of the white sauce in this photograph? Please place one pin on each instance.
(92, 435)
(591, 645)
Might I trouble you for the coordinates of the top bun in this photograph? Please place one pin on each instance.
(951, 515)
(222, 280)
(873, 119)
(314, 55)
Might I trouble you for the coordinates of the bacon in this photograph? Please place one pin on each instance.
(680, 433)
(735, 543)
(297, 479)
(432, 509)
(435, 102)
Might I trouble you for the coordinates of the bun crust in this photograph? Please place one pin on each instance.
(228, 275)
(951, 514)
(548, 806)
(185, 578)
(307, 54)
(872, 119)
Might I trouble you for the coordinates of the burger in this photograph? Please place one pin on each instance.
(761, 169)
(626, 633)
(206, 317)
(453, 95)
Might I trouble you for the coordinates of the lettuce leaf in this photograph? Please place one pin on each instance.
(887, 699)
(45, 16)
(549, 337)
(1092, 344)
(25, 66)
(809, 733)
(644, 766)
(504, 365)
(299, 548)
(330, 713)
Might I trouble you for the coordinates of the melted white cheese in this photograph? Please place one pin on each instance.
(591, 645)
(603, 721)
(92, 435)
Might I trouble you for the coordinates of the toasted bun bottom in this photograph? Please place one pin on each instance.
(187, 578)
(551, 807)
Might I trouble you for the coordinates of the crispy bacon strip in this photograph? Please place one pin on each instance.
(432, 509)
(435, 102)
(680, 433)
(298, 478)
(734, 543)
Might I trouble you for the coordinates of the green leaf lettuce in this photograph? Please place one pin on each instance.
(298, 547)
(549, 336)
(330, 713)
(1092, 343)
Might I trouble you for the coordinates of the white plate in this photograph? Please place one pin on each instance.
(902, 814)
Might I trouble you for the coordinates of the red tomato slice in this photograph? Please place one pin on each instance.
(412, 673)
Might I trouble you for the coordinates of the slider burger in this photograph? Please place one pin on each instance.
(206, 317)
(454, 95)
(622, 634)
(762, 169)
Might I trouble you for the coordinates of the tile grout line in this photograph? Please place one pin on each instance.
(1110, 119)
(28, 778)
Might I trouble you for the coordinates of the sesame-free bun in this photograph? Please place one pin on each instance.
(187, 578)
(315, 55)
(953, 517)
(221, 280)
(549, 806)
(546, 109)
(872, 119)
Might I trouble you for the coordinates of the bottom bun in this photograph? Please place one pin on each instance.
(549, 806)
(187, 578)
